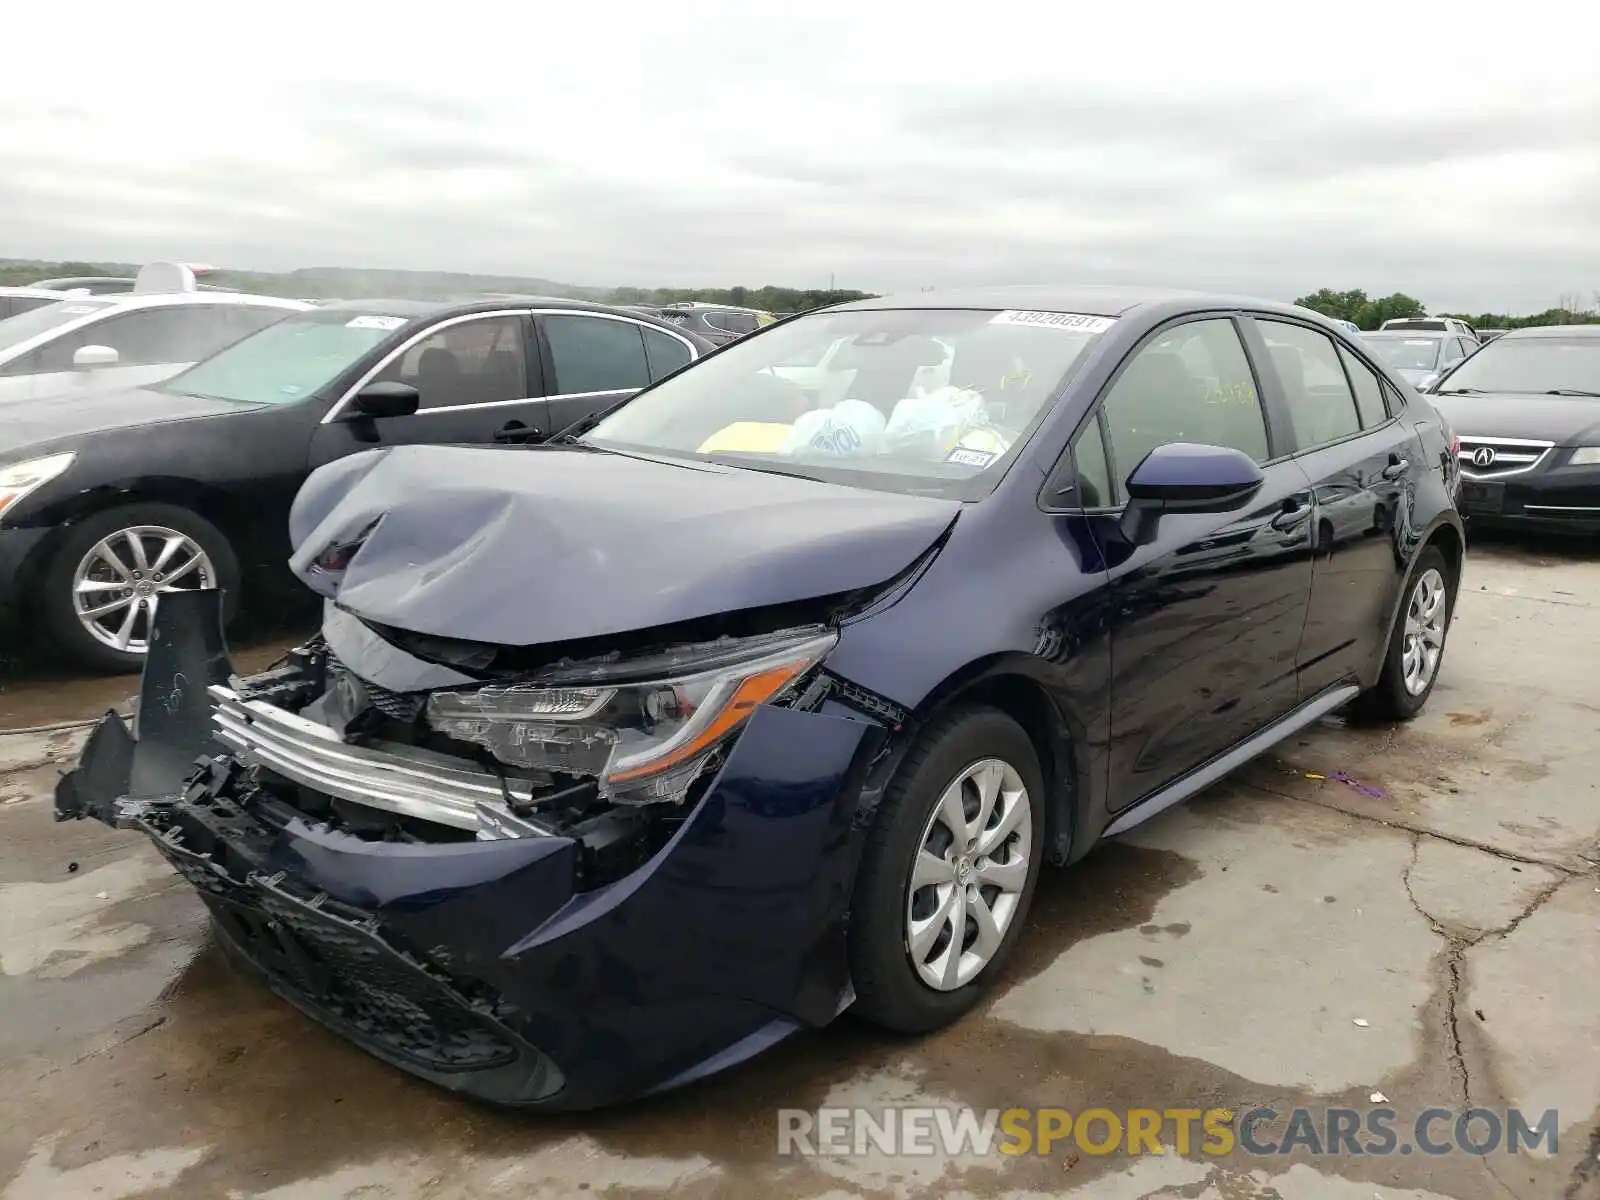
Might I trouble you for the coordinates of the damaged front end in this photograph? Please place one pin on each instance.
(560, 887)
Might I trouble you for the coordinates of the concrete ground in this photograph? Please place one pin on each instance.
(1284, 940)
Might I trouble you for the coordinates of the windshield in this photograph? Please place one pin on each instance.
(930, 401)
(1407, 353)
(26, 326)
(288, 361)
(1531, 364)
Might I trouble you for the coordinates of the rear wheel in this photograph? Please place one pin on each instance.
(1416, 647)
(948, 872)
(101, 589)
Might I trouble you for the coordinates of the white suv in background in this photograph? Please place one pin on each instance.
(1452, 326)
(127, 340)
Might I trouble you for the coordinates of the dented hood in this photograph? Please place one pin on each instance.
(520, 547)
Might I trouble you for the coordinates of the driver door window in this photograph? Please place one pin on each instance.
(471, 362)
(1192, 383)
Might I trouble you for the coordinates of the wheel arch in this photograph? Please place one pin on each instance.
(1448, 537)
(212, 503)
(209, 503)
(1453, 545)
(1059, 739)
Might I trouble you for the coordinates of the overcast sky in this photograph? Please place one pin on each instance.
(1269, 148)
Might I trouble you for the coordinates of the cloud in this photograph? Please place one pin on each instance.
(893, 145)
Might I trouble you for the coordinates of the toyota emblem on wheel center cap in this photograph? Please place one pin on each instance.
(1483, 456)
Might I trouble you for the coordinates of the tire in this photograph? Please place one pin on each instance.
(1391, 698)
(60, 583)
(890, 989)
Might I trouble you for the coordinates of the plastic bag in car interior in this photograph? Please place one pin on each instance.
(932, 424)
(748, 437)
(850, 429)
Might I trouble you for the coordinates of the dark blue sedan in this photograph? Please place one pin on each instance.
(621, 758)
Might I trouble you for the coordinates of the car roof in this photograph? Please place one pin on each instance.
(1090, 299)
(172, 299)
(1566, 331)
(418, 310)
(43, 293)
(424, 308)
(1408, 334)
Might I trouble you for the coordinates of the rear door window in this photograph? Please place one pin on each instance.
(665, 352)
(1316, 391)
(595, 354)
(1368, 389)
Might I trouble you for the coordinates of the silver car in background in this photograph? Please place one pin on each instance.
(1420, 356)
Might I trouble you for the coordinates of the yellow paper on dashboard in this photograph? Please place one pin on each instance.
(748, 437)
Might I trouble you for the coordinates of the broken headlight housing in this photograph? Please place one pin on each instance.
(644, 729)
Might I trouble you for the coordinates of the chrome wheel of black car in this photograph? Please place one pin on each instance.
(120, 580)
(948, 871)
(1416, 647)
(967, 881)
(1424, 631)
(101, 589)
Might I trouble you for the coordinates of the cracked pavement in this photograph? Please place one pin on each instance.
(1220, 955)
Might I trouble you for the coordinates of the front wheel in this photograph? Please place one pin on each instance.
(101, 588)
(948, 871)
(1416, 647)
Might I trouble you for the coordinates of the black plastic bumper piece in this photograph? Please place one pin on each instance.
(336, 962)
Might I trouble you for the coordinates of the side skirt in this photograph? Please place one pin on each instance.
(1204, 776)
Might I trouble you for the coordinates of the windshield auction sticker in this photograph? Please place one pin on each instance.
(373, 321)
(1071, 322)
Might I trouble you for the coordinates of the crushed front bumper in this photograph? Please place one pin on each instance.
(486, 966)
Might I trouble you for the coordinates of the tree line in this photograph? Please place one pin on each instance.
(1371, 313)
(340, 283)
(333, 282)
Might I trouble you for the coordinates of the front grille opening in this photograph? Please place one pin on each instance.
(350, 977)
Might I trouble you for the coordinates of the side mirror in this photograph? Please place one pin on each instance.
(87, 358)
(384, 399)
(1181, 477)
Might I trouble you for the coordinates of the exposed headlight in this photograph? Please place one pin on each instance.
(643, 729)
(17, 480)
(1586, 456)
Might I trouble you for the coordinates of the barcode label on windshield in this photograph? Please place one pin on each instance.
(373, 321)
(1071, 322)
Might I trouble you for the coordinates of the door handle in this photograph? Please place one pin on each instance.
(515, 433)
(1293, 513)
(1397, 467)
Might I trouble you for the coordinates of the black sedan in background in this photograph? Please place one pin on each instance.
(1527, 410)
(108, 500)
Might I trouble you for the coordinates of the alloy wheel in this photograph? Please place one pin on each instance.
(1424, 632)
(120, 580)
(969, 873)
